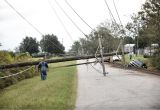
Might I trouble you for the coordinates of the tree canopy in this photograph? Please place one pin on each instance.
(29, 45)
(50, 44)
(110, 39)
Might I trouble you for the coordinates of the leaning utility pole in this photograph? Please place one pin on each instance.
(101, 53)
(122, 49)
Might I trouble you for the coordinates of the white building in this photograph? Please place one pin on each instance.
(129, 48)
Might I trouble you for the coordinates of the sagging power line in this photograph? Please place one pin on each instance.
(60, 20)
(69, 18)
(78, 14)
(99, 38)
(121, 40)
(11, 6)
(117, 13)
(110, 12)
(15, 74)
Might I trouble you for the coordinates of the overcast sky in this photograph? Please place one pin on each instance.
(38, 12)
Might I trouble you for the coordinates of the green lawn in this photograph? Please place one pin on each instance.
(134, 57)
(58, 92)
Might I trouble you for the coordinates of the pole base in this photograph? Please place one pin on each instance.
(105, 73)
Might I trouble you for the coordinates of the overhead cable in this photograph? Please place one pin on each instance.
(69, 18)
(55, 12)
(78, 14)
(28, 21)
(23, 17)
(117, 13)
(16, 73)
(110, 12)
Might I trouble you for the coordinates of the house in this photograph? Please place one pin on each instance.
(150, 50)
(129, 47)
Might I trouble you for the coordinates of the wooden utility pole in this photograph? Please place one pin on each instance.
(22, 64)
(122, 49)
(101, 53)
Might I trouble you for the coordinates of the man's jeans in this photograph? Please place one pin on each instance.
(43, 75)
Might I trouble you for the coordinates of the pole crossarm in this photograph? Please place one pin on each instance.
(22, 64)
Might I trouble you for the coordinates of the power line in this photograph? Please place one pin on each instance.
(110, 12)
(117, 13)
(28, 22)
(23, 17)
(16, 73)
(73, 23)
(75, 26)
(121, 40)
(78, 15)
(55, 12)
(69, 18)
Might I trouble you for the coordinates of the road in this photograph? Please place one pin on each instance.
(120, 90)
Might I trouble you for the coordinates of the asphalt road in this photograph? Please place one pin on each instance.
(120, 90)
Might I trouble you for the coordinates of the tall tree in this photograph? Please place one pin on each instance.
(50, 43)
(150, 15)
(110, 39)
(111, 34)
(29, 44)
(76, 47)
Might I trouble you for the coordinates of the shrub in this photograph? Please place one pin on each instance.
(5, 57)
(22, 57)
(14, 79)
(156, 62)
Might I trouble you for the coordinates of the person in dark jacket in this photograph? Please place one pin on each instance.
(43, 67)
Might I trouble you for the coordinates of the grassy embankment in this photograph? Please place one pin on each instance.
(58, 92)
(147, 61)
(134, 57)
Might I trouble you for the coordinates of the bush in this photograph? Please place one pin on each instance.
(156, 62)
(22, 57)
(14, 79)
(9, 57)
(5, 57)
(147, 56)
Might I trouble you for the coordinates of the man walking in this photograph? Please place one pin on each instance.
(42, 67)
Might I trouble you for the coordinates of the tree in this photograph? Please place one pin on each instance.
(110, 39)
(75, 47)
(128, 40)
(111, 34)
(150, 15)
(50, 44)
(29, 44)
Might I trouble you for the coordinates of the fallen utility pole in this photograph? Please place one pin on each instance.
(106, 60)
(22, 64)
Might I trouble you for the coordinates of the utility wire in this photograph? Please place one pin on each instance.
(87, 25)
(78, 29)
(16, 73)
(117, 13)
(110, 12)
(69, 18)
(40, 32)
(64, 27)
(23, 17)
(121, 40)
(78, 14)
(28, 21)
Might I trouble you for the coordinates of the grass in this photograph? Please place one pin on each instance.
(58, 92)
(138, 57)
